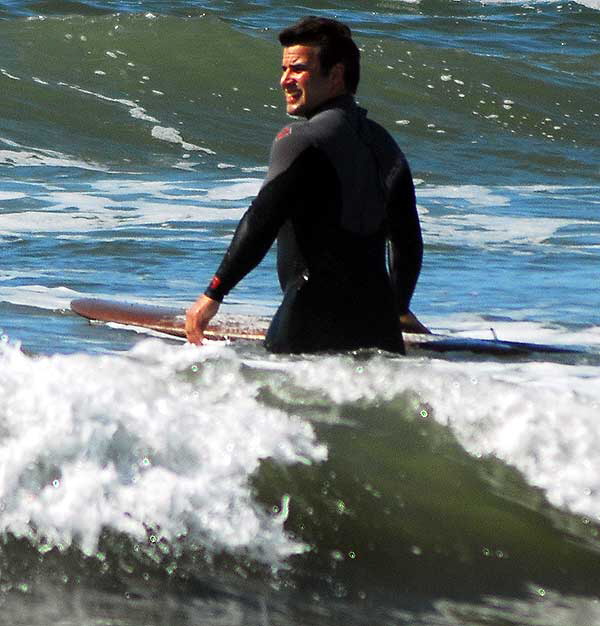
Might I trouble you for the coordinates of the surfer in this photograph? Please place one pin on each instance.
(339, 198)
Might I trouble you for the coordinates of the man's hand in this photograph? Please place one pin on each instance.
(410, 324)
(198, 316)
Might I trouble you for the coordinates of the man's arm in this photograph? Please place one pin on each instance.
(405, 252)
(288, 172)
(251, 241)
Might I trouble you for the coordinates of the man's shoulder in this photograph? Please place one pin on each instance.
(381, 134)
(385, 145)
(289, 143)
(294, 135)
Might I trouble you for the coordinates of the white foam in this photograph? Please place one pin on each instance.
(163, 133)
(466, 219)
(591, 4)
(163, 437)
(135, 110)
(49, 221)
(51, 298)
(235, 190)
(542, 418)
(473, 194)
(24, 156)
(484, 230)
(11, 195)
(8, 75)
(171, 135)
(103, 207)
(147, 212)
(471, 325)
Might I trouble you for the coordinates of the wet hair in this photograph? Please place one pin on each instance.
(334, 41)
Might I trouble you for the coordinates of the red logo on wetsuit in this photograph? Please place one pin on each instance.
(215, 282)
(284, 132)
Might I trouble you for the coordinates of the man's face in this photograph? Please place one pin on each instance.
(304, 85)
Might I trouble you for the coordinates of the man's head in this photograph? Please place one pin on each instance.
(320, 62)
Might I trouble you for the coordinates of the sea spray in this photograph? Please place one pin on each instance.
(126, 442)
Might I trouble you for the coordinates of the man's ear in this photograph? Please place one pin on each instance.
(337, 76)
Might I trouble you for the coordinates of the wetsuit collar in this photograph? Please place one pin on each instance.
(345, 101)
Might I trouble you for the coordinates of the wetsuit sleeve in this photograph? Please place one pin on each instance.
(405, 251)
(272, 207)
(251, 241)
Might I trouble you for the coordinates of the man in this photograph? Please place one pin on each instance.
(338, 190)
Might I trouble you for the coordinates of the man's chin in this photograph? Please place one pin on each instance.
(295, 109)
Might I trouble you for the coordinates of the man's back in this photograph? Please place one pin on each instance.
(333, 174)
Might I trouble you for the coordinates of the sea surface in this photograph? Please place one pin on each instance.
(148, 482)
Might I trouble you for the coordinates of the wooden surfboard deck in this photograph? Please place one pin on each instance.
(168, 320)
(171, 321)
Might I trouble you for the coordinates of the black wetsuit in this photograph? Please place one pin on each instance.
(338, 189)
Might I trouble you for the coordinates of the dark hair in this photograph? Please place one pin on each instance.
(334, 41)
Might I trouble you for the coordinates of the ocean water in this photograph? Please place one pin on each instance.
(144, 481)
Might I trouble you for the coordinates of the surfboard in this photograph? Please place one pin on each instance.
(168, 320)
(171, 321)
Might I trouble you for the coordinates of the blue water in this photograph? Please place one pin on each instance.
(144, 481)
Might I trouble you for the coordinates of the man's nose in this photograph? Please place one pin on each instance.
(285, 78)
